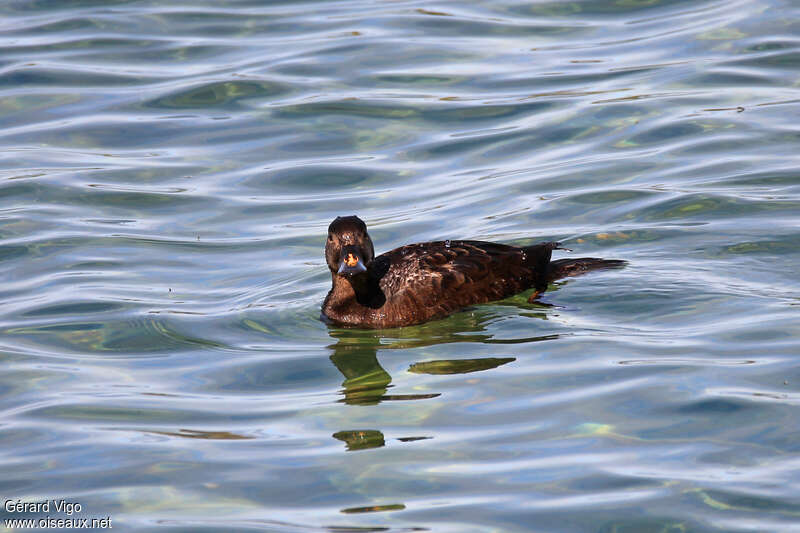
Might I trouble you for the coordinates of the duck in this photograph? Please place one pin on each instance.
(420, 282)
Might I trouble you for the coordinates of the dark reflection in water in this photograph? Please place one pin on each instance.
(197, 434)
(459, 366)
(359, 439)
(366, 381)
(375, 508)
(355, 354)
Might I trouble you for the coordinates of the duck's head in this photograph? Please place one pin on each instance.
(349, 249)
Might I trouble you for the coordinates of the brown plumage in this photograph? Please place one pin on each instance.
(420, 282)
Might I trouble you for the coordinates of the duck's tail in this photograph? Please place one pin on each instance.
(549, 271)
(566, 268)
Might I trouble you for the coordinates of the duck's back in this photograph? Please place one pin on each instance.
(433, 279)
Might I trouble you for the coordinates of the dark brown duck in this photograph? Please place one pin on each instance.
(420, 282)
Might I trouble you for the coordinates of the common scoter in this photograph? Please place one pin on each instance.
(419, 282)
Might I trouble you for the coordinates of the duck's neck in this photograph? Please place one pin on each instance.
(356, 290)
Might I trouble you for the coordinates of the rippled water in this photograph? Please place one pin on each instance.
(168, 173)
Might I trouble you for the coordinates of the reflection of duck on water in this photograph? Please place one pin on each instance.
(420, 282)
(366, 382)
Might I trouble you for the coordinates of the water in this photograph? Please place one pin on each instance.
(168, 173)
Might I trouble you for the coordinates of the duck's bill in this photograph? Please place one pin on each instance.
(351, 263)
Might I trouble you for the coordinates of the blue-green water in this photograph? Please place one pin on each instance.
(169, 169)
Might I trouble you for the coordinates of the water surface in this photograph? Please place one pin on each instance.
(168, 173)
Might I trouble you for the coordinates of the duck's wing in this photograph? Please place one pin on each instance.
(437, 278)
